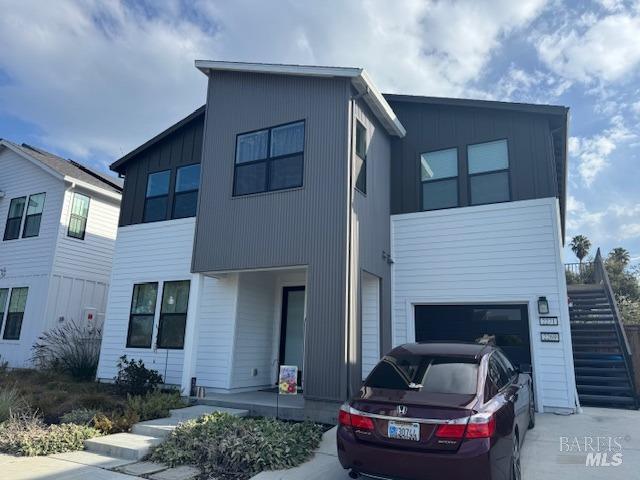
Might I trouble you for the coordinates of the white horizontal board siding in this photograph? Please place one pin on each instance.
(27, 262)
(151, 252)
(507, 252)
(90, 258)
(370, 322)
(254, 330)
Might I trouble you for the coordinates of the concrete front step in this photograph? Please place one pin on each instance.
(162, 427)
(129, 446)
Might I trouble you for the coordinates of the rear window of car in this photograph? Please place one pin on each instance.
(425, 374)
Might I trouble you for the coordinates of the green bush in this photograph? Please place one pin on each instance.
(71, 348)
(154, 404)
(116, 422)
(11, 401)
(28, 435)
(79, 416)
(134, 378)
(226, 446)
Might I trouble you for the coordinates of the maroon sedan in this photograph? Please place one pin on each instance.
(433, 411)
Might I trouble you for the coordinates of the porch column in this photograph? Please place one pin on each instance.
(191, 333)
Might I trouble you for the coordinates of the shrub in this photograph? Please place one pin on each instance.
(11, 401)
(79, 416)
(116, 422)
(232, 447)
(154, 404)
(71, 348)
(28, 435)
(134, 378)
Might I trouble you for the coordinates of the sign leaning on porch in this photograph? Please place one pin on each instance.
(288, 380)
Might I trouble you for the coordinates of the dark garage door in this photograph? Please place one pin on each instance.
(467, 323)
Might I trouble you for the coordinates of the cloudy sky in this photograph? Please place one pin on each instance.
(92, 80)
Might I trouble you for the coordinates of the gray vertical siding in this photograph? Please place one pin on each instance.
(181, 147)
(371, 236)
(430, 127)
(305, 226)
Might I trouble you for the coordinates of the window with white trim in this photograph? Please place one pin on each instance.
(79, 215)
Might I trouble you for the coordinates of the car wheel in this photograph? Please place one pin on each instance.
(532, 413)
(516, 472)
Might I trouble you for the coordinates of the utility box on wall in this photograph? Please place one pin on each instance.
(90, 317)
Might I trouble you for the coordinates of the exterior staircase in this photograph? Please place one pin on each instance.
(601, 353)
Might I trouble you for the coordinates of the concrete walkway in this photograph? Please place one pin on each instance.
(542, 458)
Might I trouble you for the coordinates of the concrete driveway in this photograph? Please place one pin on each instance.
(542, 458)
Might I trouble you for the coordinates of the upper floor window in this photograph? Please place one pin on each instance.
(32, 220)
(361, 157)
(269, 159)
(79, 214)
(439, 176)
(15, 313)
(157, 196)
(185, 200)
(488, 172)
(14, 218)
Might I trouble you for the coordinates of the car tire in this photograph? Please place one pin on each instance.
(516, 469)
(532, 413)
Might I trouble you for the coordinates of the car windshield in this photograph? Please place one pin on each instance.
(425, 374)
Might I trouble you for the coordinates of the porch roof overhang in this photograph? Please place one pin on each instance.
(358, 76)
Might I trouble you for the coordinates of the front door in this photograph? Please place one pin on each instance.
(292, 328)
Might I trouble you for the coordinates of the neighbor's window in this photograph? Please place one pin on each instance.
(15, 313)
(269, 159)
(143, 309)
(439, 176)
(173, 314)
(157, 196)
(79, 214)
(425, 374)
(32, 220)
(14, 218)
(4, 293)
(488, 172)
(361, 158)
(185, 199)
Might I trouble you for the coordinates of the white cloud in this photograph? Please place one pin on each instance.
(99, 78)
(604, 49)
(593, 152)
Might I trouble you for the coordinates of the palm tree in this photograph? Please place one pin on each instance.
(620, 256)
(580, 246)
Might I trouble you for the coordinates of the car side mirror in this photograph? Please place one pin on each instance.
(525, 368)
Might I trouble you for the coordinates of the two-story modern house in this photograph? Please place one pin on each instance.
(58, 235)
(302, 218)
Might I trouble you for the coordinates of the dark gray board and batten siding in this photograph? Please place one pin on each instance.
(304, 226)
(430, 127)
(183, 146)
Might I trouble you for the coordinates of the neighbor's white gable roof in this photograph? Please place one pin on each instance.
(359, 78)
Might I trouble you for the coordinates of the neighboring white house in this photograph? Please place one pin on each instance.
(59, 223)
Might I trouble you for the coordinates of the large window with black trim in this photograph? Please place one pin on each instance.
(269, 159)
(11, 321)
(33, 217)
(157, 196)
(14, 218)
(168, 330)
(361, 158)
(439, 177)
(185, 197)
(488, 172)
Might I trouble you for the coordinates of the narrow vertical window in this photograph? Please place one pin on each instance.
(361, 158)
(15, 313)
(14, 218)
(489, 172)
(4, 293)
(143, 309)
(157, 196)
(439, 176)
(79, 214)
(185, 199)
(34, 216)
(173, 314)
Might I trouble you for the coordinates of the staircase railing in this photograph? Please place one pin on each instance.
(601, 277)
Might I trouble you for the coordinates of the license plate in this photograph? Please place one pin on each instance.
(404, 431)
